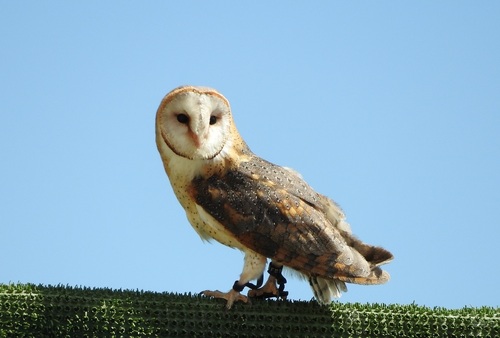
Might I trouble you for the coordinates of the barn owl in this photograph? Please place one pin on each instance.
(267, 211)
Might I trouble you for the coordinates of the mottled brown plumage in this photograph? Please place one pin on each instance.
(275, 213)
(265, 210)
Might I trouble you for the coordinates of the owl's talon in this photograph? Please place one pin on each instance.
(270, 289)
(231, 296)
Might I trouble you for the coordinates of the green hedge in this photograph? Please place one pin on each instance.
(28, 310)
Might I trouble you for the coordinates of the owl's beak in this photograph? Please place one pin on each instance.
(199, 132)
(197, 139)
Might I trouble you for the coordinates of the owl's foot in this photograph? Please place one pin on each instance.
(271, 289)
(232, 296)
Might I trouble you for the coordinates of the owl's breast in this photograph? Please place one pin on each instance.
(207, 227)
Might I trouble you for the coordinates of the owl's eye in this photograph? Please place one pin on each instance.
(183, 118)
(213, 119)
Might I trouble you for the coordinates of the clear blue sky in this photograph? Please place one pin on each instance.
(391, 109)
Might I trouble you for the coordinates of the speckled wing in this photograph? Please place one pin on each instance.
(272, 211)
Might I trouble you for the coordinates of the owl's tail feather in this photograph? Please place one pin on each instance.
(326, 289)
(361, 272)
(376, 276)
(374, 255)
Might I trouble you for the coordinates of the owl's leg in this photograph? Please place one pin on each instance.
(253, 268)
(271, 288)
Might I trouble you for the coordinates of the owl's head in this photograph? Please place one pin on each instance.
(194, 122)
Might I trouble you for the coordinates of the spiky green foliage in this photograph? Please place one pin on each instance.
(28, 310)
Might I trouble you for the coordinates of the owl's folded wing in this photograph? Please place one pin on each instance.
(266, 216)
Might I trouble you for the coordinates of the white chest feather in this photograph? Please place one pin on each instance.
(215, 230)
(181, 174)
